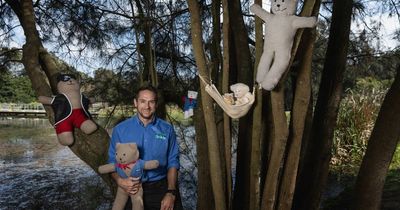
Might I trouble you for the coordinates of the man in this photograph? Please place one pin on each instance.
(156, 140)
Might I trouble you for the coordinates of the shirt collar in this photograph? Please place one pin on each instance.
(152, 122)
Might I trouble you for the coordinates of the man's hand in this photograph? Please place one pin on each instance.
(130, 185)
(168, 201)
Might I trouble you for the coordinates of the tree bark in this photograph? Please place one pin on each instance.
(207, 103)
(298, 119)
(225, 85)
(244, 74)
(255, 158)
(280, 132)
(205, 197)
(381, 148)
(316, 166)
(301, 104)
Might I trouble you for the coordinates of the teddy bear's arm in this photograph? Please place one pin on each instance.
(304, 22)
(151, 164)
(45, 100)
(260, 12)
(108, 168)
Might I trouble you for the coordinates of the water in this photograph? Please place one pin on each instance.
(38, 173)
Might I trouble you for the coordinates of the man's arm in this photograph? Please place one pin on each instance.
(169, 198)
(129, 185)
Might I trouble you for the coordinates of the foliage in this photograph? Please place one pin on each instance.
(16, 89)
(357, 115)
(396, 159)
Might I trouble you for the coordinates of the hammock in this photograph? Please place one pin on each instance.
(233, 110)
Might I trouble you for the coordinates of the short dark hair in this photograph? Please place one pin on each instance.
(149, 88)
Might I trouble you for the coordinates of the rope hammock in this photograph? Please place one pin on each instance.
(235, 109)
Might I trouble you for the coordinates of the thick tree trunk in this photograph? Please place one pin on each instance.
(273, 183)
(217, 182)
(381, 147)
(301, 104)
(255, 158)
(281, 133)
(318, 154)
(298, 119)
(92, 149)
(225, 85)
(205, 198)
(245, 75)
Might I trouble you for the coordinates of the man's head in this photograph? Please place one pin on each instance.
(146, 102)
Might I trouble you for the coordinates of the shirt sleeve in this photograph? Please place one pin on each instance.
(111, 148)
(173, 150)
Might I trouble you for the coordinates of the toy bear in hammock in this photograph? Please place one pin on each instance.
(70, 109)
(281, 28)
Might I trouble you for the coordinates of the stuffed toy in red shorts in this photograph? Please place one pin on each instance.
(70, 108)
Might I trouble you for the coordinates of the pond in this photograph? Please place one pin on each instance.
(38, 173)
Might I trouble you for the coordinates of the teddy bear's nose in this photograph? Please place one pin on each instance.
(278, 5)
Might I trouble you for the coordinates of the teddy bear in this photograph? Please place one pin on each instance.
(241, 94)
(281, 28)
(70, 108)
(128, 165)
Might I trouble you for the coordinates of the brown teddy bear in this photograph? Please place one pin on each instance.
(128, 165)
(70, 109)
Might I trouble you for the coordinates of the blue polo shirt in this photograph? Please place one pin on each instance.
(156, 141)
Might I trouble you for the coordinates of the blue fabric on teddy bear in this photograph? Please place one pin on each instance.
(137, 171)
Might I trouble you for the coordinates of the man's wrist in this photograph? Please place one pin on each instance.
(171, 191)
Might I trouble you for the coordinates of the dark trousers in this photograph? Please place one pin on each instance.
(154, 192)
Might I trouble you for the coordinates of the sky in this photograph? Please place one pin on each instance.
(88, 64)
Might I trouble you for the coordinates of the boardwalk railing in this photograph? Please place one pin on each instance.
(27, 110)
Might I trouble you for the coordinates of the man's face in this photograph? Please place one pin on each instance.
(146, 104)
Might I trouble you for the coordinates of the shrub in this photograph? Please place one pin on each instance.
(357, 114)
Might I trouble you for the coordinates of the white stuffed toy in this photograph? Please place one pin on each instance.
(281, 28)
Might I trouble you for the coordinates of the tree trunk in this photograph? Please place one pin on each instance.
(280, 132)
(92, 149)
(245, 75)
(255, 158)
(314, 174)
(298, 119)
(207, 103)
(225, 85)
(381, 148)
(205, 198)
(301, 104)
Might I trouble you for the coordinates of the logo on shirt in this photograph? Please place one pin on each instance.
(161, 136)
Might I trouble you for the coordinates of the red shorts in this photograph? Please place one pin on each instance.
(74, 120)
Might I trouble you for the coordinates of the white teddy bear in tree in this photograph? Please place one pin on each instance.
(281, 28)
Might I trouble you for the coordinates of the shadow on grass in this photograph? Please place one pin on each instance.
(343, 201)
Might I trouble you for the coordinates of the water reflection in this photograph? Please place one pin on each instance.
(38, 173)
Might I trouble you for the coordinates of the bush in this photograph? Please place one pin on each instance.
(357, 114)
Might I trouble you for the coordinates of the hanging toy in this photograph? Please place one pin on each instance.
(281, 28)
(235, 104)
(190, 102)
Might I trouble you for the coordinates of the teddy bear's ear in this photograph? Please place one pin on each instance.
(133, 146)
